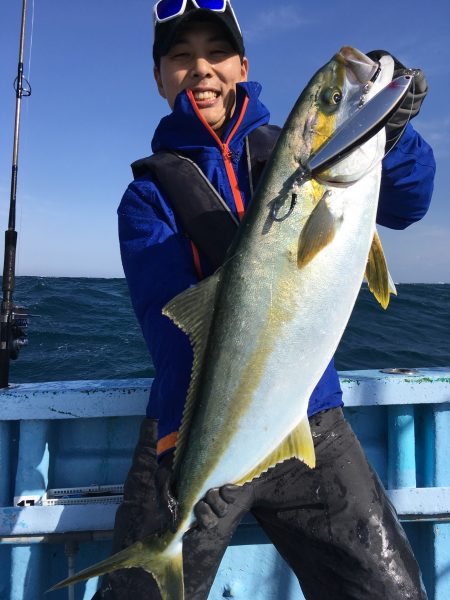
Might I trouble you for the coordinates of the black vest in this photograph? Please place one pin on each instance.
(206, 218)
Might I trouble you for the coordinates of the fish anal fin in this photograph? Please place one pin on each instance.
(298, 444)
(192, 311)
(377, 274)
(318, 231)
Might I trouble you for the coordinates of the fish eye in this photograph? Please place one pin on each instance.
(332, 96)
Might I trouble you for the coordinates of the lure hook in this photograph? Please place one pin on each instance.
(277, 207)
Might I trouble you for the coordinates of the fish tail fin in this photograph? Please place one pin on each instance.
(169, 577)
(162, 557)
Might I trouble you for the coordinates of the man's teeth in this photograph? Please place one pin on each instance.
(208, 95)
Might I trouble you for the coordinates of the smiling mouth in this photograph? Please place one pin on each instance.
(205, 95)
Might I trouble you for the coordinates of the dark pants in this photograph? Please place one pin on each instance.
(333, 525)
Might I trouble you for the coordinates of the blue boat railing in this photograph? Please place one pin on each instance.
(82, 433)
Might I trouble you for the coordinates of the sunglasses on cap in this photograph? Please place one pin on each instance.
(165, 10)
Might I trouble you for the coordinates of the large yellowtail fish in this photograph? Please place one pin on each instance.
(267, 323)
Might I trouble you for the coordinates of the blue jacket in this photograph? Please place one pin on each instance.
(158, 258)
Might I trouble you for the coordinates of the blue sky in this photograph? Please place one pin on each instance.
(94, 108)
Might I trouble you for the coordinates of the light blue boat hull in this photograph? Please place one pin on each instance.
(70, 434)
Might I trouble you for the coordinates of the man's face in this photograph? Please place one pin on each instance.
(204, 61)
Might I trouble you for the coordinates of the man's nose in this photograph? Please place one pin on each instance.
(201, 67)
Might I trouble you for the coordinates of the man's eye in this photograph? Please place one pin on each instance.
(220, 52)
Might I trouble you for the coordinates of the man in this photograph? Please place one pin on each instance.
(317, 519)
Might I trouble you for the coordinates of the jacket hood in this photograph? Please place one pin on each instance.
(182, 130)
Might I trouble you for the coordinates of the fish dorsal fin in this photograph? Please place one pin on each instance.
(192, 311)
(377, 274)
(298, 444)
(318, 231)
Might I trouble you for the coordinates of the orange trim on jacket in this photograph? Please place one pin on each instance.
(167, 443)
(197, 263)
(224, 146)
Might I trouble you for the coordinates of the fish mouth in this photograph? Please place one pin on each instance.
(360, 67)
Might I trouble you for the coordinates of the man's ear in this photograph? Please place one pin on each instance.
(159, 83)
(244, 69)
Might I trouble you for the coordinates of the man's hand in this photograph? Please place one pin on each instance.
(207, 511)
(412, 102)
(164, 486)
(215, 505)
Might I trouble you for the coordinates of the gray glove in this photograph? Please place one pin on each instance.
(215, 505)
(207, 511)
(412, 102)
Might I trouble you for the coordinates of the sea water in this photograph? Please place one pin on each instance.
(85, 328)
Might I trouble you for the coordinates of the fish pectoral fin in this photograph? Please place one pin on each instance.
(377, 274)
(151, 554)
(192, 311)
(318, 232)
(298, 444)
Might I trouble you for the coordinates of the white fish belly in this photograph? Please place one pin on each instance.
(326, 290)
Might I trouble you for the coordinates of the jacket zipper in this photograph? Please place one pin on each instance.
(226, 152)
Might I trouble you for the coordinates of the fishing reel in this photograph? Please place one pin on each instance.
(13, 332)
(19, 326)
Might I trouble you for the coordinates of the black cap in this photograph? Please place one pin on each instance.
(167, 32)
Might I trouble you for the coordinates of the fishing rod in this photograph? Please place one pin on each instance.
(13, 319)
